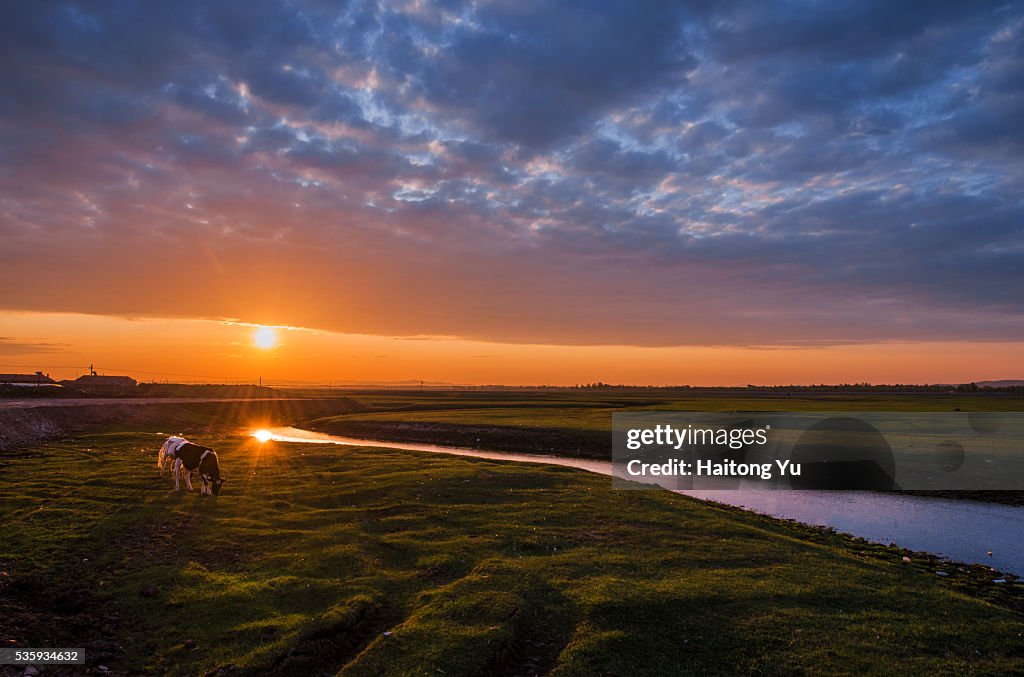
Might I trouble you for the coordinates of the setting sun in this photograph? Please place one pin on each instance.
(263, 435)
(265, 338)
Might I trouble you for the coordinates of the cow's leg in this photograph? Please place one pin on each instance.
(176, 469)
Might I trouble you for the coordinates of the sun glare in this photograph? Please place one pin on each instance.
(263, 435)
(264, 338)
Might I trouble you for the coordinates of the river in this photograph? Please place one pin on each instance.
(965, 531)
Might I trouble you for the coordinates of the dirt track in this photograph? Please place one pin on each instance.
(28, 422)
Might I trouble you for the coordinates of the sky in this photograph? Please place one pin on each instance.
(515, 192)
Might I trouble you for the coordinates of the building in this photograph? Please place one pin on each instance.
(103, 385)
(37, 379)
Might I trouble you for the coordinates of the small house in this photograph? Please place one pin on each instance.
(37, 380)
(104, 385)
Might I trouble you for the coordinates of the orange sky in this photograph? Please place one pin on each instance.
(64, 344)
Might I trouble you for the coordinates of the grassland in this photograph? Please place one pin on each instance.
(579, 423)
(47, 420)
(362, 561)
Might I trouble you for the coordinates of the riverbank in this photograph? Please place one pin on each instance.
(545, 441)
(579, 424)
(318, 558)
(983, 534)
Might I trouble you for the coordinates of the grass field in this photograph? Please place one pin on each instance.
(579, 423)
(320, 560)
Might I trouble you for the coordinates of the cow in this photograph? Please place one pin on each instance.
(190, 457)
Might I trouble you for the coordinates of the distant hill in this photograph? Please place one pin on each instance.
(1007, 383)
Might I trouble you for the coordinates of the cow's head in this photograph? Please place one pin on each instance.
(215, 485)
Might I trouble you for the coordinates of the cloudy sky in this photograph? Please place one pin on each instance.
(704, 175)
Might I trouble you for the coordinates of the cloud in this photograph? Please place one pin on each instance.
(533, 73)
(724, 173)
(11, 346)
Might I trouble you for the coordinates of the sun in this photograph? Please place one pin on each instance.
(265, 338)
(263, 435)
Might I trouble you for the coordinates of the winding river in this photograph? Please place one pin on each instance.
(965, 531)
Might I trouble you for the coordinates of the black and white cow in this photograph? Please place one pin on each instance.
(191, 457)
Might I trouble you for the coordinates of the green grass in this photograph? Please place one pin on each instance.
(320, 559)
(579, 424)
(593, 412)
(725, 401)
(577, 418)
